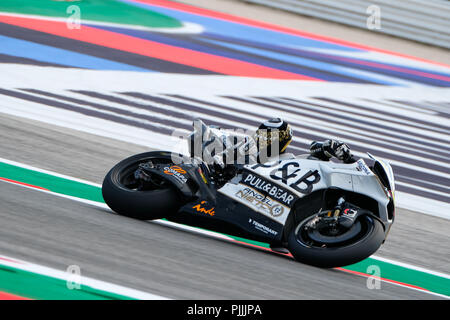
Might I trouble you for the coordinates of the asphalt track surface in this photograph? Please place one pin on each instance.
(57, 232)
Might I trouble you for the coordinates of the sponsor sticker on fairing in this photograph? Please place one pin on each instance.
(362, 166)
(177, 172)
(201, 207)
(261, 227)
(269, 189)
(257, 201)
(261, 202)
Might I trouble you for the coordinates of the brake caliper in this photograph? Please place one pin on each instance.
(348, 217)
(344, 214)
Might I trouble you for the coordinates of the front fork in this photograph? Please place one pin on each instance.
(344, 214)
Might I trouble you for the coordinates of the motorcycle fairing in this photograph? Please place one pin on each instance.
(301, 177)
(384, 171)
(261, 195)
(230, 217)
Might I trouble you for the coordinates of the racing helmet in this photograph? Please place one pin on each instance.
(272, 131)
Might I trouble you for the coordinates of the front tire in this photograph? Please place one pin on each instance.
(365, 241)
(121, 194)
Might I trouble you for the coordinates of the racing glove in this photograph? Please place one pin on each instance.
(331, 148)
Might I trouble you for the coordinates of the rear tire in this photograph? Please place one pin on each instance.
(138, 204)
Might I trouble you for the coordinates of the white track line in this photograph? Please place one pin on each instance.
(82, 280)
(412, 267)
(52, 173)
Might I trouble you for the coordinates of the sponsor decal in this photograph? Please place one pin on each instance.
(177, 172)
(262, 228)
(260, 201)
(304, 184)
(200, 208)
(363, 167)
(270, 189)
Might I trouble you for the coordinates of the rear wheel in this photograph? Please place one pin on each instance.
(130, 196)
(335, 247)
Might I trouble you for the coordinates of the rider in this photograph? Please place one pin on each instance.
(262, 145)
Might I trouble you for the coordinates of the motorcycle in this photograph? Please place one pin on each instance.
(326, 214)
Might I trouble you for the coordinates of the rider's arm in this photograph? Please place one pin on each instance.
(238, 149)
(331, 148)
(223, 147)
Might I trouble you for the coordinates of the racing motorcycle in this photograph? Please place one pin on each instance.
(326, 214)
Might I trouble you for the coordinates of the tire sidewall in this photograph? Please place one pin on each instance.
(339, 256)
(143, 205)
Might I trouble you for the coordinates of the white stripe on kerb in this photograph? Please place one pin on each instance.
(86, 281)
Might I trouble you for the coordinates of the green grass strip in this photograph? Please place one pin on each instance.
(36, 286)
(401, 274)
(50, 182)
(97, 10)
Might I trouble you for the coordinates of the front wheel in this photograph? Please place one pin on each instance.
(326, 249)
(129, 196)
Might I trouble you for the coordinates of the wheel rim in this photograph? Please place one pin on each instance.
(126, 178)
(323, 239)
